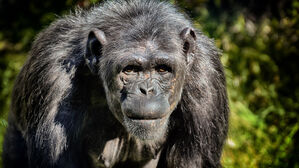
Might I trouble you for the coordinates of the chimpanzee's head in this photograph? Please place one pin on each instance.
(143, 75)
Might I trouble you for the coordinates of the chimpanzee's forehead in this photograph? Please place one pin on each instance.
(170, 43)
(145, 49)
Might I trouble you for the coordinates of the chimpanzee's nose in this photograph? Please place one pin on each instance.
(145, 89)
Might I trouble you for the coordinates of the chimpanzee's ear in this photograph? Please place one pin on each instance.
(95, 42)
(189, 37)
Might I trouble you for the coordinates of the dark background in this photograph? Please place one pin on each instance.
(259, 39)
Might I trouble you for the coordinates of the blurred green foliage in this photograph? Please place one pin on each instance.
(259, 39)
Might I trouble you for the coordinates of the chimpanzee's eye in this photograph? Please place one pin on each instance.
(163, 68)
(131, 69)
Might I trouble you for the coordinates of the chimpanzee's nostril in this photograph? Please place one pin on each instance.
(150, 90)
(143, 91)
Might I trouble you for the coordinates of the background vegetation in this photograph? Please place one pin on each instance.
(259, 39)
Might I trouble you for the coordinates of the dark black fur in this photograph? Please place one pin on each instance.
(60, 116)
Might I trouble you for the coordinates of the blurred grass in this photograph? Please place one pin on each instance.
(260, 43)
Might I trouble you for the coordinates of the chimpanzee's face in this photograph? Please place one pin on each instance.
(146, 88)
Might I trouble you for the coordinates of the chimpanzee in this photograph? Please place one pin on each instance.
(125, 84)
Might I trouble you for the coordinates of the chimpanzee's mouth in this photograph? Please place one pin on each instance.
(141, 119)
(145, 118)
(145, 121)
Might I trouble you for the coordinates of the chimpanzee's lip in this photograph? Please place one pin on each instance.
(145, 118)
(147, 121)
